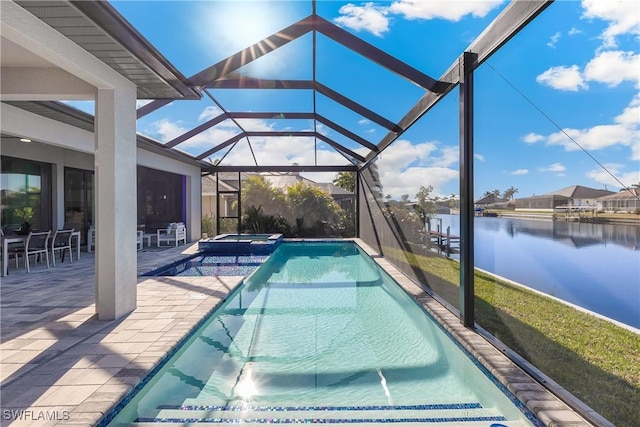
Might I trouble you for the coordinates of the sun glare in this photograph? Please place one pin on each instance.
(247, 387)
(232, 26)
(225, 28)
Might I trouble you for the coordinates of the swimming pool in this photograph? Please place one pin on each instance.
(319, 333)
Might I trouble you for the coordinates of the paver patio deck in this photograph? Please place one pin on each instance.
(58, 361)
(61, 366)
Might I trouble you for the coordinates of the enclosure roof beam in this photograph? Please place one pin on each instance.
(270, 115)
(239, 59)
(250, 83)
(354, 106)
(297, 116)
(321, 137)
(286, 168)
(196, 130)
(378, 56)
(253, 83)
(313, 134)
(357, 138)
(221, 146)
(513, 18)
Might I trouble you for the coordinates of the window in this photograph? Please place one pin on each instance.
(25, 187)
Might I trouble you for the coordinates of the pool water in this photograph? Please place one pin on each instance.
(320, 332)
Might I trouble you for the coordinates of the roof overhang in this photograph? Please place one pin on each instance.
(98, 28)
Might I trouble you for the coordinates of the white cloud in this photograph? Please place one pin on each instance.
(449, 10)
(404, 167)
(520, 172)
(209, 113)
(367, 17)
(603, 177)
(556, 167)
(449, 156)
(374, 18)
(614, 67)
(479, 157)
(625, 131)
(574, 31)
(402, 153)
(165, 130)
(623, 18)
(410, 180)
(554, 40)
(563, 78)
(364, 122)
(532, 138)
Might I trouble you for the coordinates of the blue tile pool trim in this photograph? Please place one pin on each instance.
(220, 245)
(318, 420)
(155, 271)
(428, 407)
(211, 265)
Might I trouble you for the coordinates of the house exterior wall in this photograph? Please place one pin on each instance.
(73, 147)
(624, 205)
(541, 203)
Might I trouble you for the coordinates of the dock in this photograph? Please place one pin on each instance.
(445, 241)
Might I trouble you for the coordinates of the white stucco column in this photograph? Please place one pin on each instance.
(115, 173)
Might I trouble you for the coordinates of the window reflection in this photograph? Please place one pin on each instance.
(25, 194)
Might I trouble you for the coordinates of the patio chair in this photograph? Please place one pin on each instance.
(37, 244)
(176, 232)
(60, 242)
(91, 239)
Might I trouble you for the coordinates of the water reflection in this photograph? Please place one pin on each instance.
(595, 266)
(576, 234)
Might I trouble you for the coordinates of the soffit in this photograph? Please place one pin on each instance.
(114, 42)
(66, 114)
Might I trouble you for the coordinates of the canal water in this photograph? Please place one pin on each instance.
(594, 266)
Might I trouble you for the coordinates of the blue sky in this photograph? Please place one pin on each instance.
(570, 79)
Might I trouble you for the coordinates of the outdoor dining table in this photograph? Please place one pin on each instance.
(7, 240)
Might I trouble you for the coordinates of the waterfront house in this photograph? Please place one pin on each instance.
(573, 197)
(624, 201)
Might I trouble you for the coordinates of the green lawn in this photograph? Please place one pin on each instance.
(595, 360)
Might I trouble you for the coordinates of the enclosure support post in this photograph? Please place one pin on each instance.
(239, 212)
(467, 65)
(217, 204)
(357, 202)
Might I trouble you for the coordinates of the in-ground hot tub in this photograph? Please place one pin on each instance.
(245, 244)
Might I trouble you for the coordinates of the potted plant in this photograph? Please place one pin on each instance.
(26, 214)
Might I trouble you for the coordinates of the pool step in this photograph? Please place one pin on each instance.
(465, 414)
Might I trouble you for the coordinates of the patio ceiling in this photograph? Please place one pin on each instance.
(103, 31)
